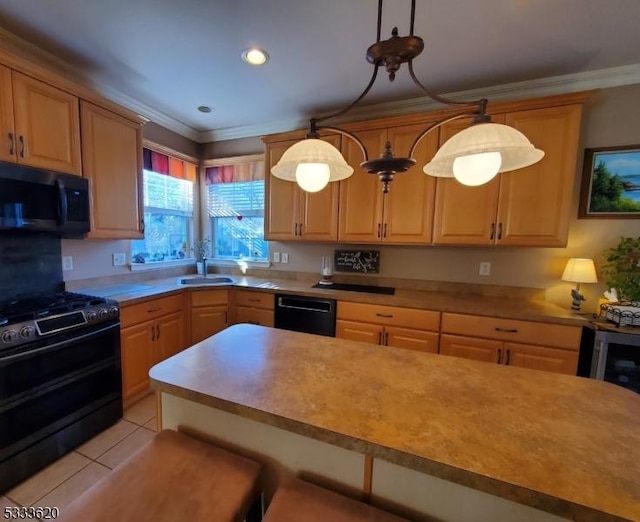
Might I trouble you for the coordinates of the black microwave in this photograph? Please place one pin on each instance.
(35, 199)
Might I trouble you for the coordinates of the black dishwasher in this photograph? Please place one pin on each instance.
(305, 314)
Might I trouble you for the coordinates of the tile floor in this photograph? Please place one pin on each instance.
(58, 484)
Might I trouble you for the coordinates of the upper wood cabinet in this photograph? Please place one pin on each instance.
(112, 160)
(403, 215)
(526, 207)
(40, 124)
(293, 214)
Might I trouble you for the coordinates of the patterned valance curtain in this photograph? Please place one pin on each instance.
(251, 171)
(163, 164)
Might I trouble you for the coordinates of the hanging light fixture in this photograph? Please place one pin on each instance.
(473, 156)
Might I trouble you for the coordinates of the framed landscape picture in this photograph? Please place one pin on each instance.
(611, 183)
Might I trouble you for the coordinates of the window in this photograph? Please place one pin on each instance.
(168, 185)
(235, 207)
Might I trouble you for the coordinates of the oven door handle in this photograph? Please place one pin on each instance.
(29, 353)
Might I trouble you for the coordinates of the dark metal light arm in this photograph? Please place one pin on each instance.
(349, 135)
(435, 126)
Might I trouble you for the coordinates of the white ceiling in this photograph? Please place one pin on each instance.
(164, 58)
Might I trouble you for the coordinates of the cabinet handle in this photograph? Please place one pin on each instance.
(508, 357)
(151, 310)
(386, 338)
(158, 330)
(493, 231)
(380, 337)
(225, 318)
(142, 226)
(21, 146)
(153, 333)
(499, 230)
(506, 330)
(11, 143)
(253, 300)
(379, 229)
(384, 230)
(499, 356)
(387, 316)
(295, 230)
(300, 229)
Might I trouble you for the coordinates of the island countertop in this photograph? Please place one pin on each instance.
(563, 444)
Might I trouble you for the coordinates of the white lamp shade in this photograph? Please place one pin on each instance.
(580, 270)
(311, 151)
(515, 149)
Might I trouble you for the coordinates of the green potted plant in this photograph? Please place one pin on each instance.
(622, 268)
(201, 249)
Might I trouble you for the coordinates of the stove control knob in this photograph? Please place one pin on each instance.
(27, 331)
(8, 336)
(102, 313)
(113, 311)
(91, 316)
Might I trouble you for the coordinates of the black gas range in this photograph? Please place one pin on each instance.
(60, 378)
(24, 320)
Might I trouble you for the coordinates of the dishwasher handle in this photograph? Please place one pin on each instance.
(310, 305)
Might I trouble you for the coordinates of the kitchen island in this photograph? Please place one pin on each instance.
(429, 436)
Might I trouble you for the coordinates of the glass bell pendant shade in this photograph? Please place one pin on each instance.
(516, 152)
(309, 161)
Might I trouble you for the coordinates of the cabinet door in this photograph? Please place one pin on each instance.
(408, 207)
(535, 202)
(254, 316)
(318, 219)
(170, 337)
(541, 358)
(470, 348)
(361, 194)
(411, 339)
(136, 349)
(465, 215)
(7, 133)
(47, 123)
(207, 321)
(281, 198)
(112, 160)
(365, 332)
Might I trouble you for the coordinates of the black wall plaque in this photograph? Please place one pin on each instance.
(362, 261)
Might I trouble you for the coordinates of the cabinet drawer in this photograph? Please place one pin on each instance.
(208, 297)
(254, 316)
(255, 299)
(389, 315)
(541, 334)
(140, 312)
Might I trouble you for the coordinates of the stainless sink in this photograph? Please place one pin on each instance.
(214, 280)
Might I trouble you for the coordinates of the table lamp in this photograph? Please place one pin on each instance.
(579, 270)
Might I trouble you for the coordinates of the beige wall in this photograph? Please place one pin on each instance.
(610, 118)
(154, 132)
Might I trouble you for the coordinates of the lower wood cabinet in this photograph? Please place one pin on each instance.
(527, 344)
(209, 313)
(150, 332)
(389, 326)
(254, 307)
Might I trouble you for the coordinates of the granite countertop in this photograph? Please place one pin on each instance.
(509, 308)
(563, 444)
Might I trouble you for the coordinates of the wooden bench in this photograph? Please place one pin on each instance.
(299, 501)
(174, 477)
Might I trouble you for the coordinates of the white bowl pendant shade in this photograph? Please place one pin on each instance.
(516, 151)
(301, 161)
(477, 169)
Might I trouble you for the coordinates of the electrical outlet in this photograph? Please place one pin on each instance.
(67, 263)
(485, 268)
(119, 259)
(285, 257)
(276, 257)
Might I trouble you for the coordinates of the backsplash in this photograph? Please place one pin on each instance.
(30, 264)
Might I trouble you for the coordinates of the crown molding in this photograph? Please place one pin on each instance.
(600, 79)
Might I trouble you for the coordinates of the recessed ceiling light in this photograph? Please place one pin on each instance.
(205, 108)
(255, 56)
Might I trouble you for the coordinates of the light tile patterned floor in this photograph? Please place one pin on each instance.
(64, 480)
